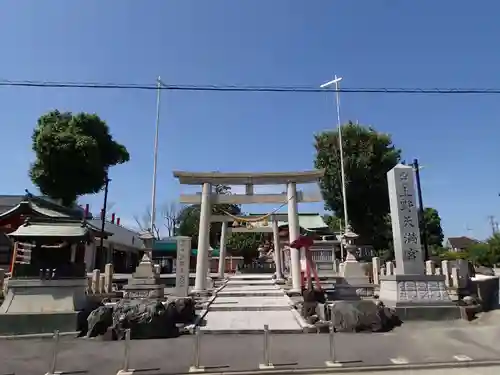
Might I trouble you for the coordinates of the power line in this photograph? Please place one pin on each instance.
(229, 88)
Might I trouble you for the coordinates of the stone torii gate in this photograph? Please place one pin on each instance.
(207, 198)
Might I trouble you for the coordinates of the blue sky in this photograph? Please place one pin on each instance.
(260, 42)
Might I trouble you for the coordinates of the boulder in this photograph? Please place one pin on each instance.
(146, 319)
(83, 315)
(363, 315)
(311, 300)
(99, 321)
(185, 310)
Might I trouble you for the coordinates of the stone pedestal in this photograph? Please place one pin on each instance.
(418, 297)
(354, 273)
(144, 283)
(34, 306)
(42, 296)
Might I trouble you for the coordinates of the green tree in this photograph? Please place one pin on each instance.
(245, 244)
(73, 155)
(485, 253)
(335, 224)
(368, 156)
(433, 228)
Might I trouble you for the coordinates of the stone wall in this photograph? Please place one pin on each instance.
(455, 273)
(101, 283)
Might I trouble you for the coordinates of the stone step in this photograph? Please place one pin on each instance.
(251, 287)
(266, 277)
(250, 304)
(244, 322)
(248, 308)
(251, 282)
(250, 293)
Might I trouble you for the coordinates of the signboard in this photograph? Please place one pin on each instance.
(405, 223)
(182, 266)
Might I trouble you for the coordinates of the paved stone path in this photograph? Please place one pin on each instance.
(247, 303)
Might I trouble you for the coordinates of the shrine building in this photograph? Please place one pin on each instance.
(122, 246)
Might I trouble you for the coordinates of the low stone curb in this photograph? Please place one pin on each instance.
(259, 331)
(38, 336)
(339, 369)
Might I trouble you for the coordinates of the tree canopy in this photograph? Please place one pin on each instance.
(368, 156)
(433, 228)
(485, 253)
(73, 155)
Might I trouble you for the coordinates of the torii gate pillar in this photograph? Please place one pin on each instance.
(200, 284)
(294, 232)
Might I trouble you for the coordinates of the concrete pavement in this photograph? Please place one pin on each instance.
(494, 370)
(409, 344)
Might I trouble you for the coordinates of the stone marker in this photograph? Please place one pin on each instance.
(413, 293)
(2, 277)
(182, 266)
(376, 270)
(108, 278)
(96, 280)
(430, 267)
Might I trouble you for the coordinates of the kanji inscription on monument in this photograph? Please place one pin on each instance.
(404, 217)
(182, 265)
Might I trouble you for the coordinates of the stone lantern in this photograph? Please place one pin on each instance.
(145, 282)
(353, 271)
(349, 240)
(148, 240)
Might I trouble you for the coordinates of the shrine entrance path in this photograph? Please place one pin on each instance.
(247, 303)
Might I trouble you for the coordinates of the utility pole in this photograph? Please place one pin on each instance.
(103, 220)
(493, 224)
(423, 224)
(469, 231)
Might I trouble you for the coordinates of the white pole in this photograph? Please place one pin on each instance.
(155, 162)
(336, 82)
(341, 149)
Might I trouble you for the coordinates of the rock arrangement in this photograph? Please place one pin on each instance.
(146, 319)
(363, 315)
(348, 315)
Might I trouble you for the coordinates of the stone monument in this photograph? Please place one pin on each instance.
(414, 294)
(145, 282)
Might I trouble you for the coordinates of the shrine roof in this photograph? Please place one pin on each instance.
(65, 229)
(244, 178)
(308, 222)
(121, 235)
(15, 204)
